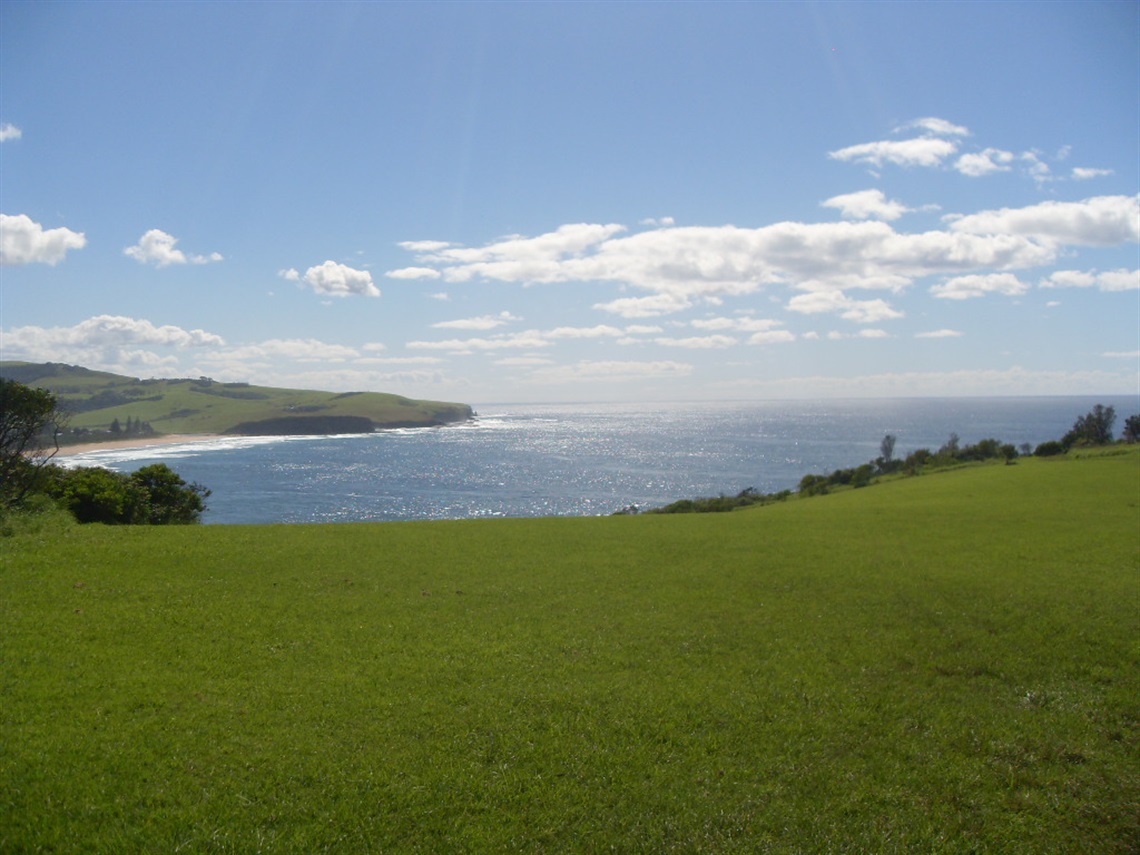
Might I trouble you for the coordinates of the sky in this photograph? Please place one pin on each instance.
(557, 202)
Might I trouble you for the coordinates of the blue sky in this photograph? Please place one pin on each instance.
(497, 202)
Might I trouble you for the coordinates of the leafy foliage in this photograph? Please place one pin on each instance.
(1093, 428)
(154, 495)
(30, 422)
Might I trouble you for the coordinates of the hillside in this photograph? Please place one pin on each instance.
(95, 400)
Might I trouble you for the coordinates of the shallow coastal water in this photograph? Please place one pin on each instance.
(579, 459)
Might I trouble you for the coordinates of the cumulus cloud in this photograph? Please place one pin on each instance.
(645, 307)
(527, 339)
(483, 322)
(24, 241)
(939, 127)
(858, 311)
(291, 274)
(686, 265)
(939, 334)
(340, 280)
(741, 324)
(423, 245)
(771, 337)
(598, 331)
(920, 151)
(8, 131)
(295, 349)
(157, 247)
(707, 342)
(866, 204)
(984, 162)
(1109, 280)
(1084, 173)
(978, 285)
(413, 273)
(110, 342)
(1098, 221)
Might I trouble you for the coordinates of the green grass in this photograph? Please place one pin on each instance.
(938, 664)
(193, 407)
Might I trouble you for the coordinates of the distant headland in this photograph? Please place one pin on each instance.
(103, 407)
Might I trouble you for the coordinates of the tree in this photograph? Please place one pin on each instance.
(30, 425)
(886, 461)
(1093, 428)
(165, 499)
(154, 495)
(1132, 429)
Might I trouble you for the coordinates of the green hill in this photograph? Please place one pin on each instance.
(97, 399)
(941, 664)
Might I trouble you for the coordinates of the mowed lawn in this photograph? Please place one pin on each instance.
(946, 663)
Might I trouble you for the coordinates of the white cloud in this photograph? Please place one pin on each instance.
(985, 162)
(520, 340)
(525, 361)
(295, 349)
(484, 322)
(8, 131)
(442, 296)
(413, 273)
(1084, 173)
(685, 265)
(157, 247)
(1122, 354)
(1109, 280)
(642, 329)
(772, 337)
(978, 285)
(424, 245)
(24, 241)
(858, 311)
(645, 307)
(921, 151)
(291, 274)
(1037, 168)
(866, 204)
(657, 221)
(939, 334)
(107, 342)
(743, 324)
(340, 280)
(939, 127)
(1099, 221)
(872, 334)
(599, 331)
(708, 342)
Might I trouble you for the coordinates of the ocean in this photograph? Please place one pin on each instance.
(580, 459)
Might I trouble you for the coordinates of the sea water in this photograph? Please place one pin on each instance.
(580, 459)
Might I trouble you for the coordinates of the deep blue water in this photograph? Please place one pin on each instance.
(581, 459)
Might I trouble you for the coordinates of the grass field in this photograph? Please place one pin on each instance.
(947, 663)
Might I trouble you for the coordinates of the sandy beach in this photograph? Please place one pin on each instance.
(136, 442)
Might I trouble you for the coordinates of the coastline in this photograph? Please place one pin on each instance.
(135, 442)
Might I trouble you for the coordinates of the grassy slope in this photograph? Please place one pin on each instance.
(946, 663)
(184, 406)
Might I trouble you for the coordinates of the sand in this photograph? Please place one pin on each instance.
(136, 442)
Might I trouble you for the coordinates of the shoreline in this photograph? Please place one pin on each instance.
(135, 442)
